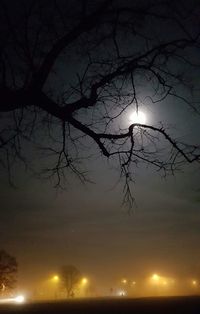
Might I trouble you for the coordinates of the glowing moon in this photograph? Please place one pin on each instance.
(138, 117)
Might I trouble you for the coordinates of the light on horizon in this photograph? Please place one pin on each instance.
(19, 299)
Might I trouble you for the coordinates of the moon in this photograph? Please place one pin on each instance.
(138, 117)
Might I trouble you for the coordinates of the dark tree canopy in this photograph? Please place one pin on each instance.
(8, 272)
(72, 71)
(70, 277)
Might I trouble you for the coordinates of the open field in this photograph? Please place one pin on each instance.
(172, 305)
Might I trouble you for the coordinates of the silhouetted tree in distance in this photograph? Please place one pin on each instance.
(70, 277)
(72, 71)
(8, 272)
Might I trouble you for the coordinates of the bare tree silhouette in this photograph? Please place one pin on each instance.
(70, 277)
(8, 271)
(72, 70)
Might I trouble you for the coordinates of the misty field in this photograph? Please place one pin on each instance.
(190, 305)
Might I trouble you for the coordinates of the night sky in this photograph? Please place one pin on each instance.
(87, 225)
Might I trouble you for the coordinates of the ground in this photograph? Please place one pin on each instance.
(190, 305)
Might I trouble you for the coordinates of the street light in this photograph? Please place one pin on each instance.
(55, 278)
(155, 277)
(194, 283)
(84, 281)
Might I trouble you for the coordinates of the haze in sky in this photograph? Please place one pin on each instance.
(88, 225)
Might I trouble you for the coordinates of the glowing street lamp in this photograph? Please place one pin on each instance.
(84, 281)
(155, 278)
(194, 283)
(55, 283)
(55, 278)
(124, 281)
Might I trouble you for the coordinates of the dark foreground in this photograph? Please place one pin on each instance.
(175, 305)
